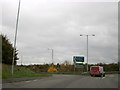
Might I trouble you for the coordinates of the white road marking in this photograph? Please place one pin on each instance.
(96, 78)
(30, 81)
(27, 81)
(103, 77)
(34, 80)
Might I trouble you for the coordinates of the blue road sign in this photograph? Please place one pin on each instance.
(78, 58)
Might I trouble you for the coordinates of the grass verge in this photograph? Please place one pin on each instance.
(0, 70)
(20, 72)
(113, 72)
(83, 73)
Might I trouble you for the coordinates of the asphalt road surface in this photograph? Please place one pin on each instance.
(67, 81)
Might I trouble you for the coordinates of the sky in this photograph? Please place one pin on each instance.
(57, 25)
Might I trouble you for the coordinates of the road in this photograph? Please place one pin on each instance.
(68, 81)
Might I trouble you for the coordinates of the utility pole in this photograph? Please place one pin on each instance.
(52, 54)
(87, 47)
(87, 53)
(14, 50)
(21, 60)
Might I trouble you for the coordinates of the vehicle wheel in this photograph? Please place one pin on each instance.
(104, 75)
(101, 75)
(91, 75)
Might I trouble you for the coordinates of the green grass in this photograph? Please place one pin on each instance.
(70, 73)
(0, 71)
(113, 72)
(20, 72)
(25, 72)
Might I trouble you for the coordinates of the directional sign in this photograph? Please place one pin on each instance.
(78, 58)
(78, 64)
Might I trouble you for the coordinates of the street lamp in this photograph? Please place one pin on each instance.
(14, 50)
(87, 47)
(52, 53)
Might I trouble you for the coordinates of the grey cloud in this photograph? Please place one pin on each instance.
(57, 25)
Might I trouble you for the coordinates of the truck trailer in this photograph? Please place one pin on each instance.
(97, 71)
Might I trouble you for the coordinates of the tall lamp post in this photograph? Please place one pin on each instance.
(14, 50)
(87, 47)
(52, 53)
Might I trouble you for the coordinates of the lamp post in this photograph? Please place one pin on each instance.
(87, 47)
(14, 50)
(52, 53)
(21, 60)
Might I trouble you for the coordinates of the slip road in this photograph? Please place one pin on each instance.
(67, 81)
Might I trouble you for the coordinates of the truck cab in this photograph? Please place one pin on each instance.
(97, 71)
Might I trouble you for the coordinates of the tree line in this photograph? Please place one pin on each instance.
(7, 51)
(7, 57)
(70, 67)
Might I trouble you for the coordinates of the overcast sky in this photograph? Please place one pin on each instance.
(57, 24)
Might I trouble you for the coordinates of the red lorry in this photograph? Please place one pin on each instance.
(97, 71)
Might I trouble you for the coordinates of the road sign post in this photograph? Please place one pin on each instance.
(78, 61)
